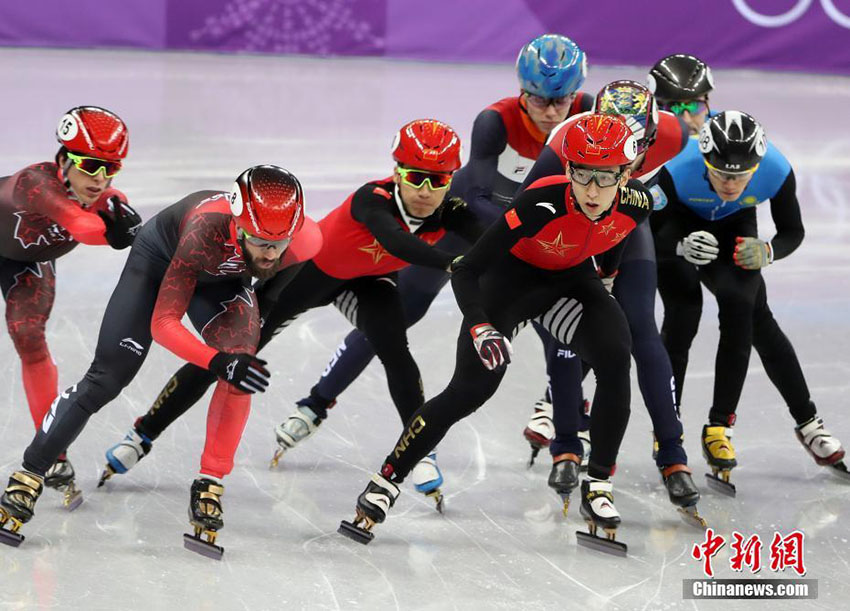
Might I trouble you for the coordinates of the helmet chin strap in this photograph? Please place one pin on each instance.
(413, 222)
(64, 169)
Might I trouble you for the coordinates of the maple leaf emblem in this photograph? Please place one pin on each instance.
(557, 246)
(38, 230)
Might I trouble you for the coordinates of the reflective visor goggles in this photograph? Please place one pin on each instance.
(602, 178)
(542, 103)
(418, 178)
(92, 165)
(693, 107)
(731, 176)
(261, 243)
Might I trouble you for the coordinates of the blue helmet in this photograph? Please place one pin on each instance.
(551, 66)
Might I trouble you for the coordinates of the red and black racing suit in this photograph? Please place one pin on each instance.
(534, 264)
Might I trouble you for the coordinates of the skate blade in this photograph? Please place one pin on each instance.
(73, 499)
(608, 546)
(276, 458)
(355, 533)
(565, 500)
(718, 484)
(840, 471)
(108, 472)
(535, 450)
(195, 544)
(10, 536)
(437, 495)
(691, 517)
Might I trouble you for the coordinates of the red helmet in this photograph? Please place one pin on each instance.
(600, 140)
(267, 202)
(92, 131)
(426, 144)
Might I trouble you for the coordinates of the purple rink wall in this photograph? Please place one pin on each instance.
(797, 35)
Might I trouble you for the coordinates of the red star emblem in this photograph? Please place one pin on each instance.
(556, 246)
(375, 249)
(619, 236)
(605, 229)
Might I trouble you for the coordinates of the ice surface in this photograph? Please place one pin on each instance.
(196, 122)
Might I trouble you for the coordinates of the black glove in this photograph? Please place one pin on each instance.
(244, 371)
(123, 225)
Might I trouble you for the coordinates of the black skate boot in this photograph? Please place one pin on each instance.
(61, 477)
(18, 504)
(372, 507)
(540, 430)
(563, 478)
(597, 508)
(206, 515)
(683, 493)
(720, 455)
(301, 425)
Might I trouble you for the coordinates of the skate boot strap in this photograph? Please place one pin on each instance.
(598, 487)
(214, 491)
(567, 456)
(716, 430)
(543, 406)
(386, 485)
(31, 481)
(668, 471)
(812, 428)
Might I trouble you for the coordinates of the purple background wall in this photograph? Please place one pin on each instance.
(810, 35)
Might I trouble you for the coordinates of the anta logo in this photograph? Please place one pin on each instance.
(414, 429)
(631, 197)
(520, 170)
(132, 345)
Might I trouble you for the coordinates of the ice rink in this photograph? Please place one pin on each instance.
(196, 121)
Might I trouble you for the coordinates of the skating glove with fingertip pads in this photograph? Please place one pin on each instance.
(699, 248)
(244, 371)
(752, 253)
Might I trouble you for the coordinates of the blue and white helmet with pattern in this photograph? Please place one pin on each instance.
(551, 66)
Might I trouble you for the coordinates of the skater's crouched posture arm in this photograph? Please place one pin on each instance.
(196, 257)
(534, 263)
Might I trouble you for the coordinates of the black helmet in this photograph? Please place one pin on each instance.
(680, 77)
(732, 141)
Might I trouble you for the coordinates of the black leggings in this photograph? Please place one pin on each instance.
(744, 316)
(123, 344)
(371, 303)
(574, 307)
